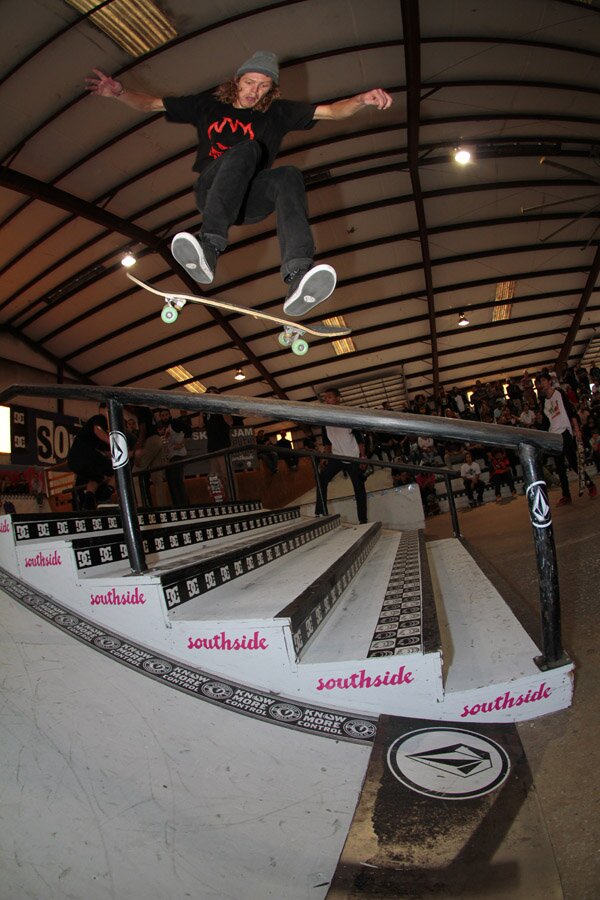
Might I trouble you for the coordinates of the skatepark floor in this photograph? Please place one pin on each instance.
(114, 786)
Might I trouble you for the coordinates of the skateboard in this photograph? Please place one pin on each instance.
(293, 332)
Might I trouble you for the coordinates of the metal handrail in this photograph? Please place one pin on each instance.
(315, 414)
(529, 443)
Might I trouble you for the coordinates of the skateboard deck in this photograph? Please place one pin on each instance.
(291, 336)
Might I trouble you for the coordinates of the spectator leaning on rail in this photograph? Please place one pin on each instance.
(563, 420)
(240, 128)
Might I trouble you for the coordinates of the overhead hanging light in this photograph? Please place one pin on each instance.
(128, 260)
(462, 320)
(239, 374)
(462, 156)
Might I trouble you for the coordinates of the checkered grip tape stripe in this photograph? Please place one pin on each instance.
(399, 628)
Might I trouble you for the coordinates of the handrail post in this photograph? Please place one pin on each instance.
(545, 550)
(122, 467)
(452, 506)
(231, 486)
(318, 488)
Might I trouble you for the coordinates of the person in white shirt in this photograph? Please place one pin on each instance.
(563, 419)
(527, 417)
(470, 473)
(343, 442)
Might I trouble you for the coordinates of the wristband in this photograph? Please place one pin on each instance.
(121, 92)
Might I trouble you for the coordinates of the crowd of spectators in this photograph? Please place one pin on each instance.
(518, 402)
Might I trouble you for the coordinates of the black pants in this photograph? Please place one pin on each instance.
(332, 467)
(176, 482)
(503, 478)
(235, 190)
(569, 455)
(479, 489)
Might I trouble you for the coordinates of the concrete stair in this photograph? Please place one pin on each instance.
(354, 617)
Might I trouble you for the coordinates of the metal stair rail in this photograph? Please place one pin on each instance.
(528, 443)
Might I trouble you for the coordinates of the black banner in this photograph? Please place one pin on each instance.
(39, 438)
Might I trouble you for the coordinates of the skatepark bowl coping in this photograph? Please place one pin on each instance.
(529, 444)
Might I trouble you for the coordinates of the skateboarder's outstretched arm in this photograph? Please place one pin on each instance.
(104, 86)
(343, 109)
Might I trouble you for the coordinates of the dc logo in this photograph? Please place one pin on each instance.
(118, 449)
(538, 504)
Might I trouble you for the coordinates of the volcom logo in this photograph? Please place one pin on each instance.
(118, 449)
(449, 763)
(538, 504)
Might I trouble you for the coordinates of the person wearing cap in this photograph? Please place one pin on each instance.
(240, 127)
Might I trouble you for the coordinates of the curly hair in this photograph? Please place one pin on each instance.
(228, 91)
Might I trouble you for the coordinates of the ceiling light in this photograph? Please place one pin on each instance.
(505, 291)
(138, 26)
(462, 320)
(239, 375)
(128, 260)
(343, 345)
(462, 156)
(181, 374)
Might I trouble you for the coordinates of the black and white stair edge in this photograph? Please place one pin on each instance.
(196, 579)
(310, 609)
(273, 708)
(399, 629)
(96, 551)
(27, 527)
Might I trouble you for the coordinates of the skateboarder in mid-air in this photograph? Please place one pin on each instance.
(240, 129)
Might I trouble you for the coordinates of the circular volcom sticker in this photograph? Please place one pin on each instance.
(448, 763)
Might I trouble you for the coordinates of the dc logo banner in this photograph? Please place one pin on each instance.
(538, 504)
(118, 449)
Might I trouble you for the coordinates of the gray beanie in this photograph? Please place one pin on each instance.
(264, 62)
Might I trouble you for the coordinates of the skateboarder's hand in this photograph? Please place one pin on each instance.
(377, 97)
(103, 85)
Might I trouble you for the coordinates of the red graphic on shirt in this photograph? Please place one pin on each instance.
(225, 128)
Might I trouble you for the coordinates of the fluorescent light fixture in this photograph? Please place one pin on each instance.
(462, 156)
(505, 291)
(137, 26)
(239, 375)
(343, 345)
(179, 373)
(128, 260)
(462, 320)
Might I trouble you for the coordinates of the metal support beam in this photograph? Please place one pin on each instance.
(590, 284)
(412, 54)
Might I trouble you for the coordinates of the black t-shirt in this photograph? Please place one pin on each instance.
(217, 432)
(86, 441)
(221, 126)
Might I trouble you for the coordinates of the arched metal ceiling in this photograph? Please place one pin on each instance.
(415, 239)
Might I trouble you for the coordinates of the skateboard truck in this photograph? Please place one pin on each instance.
(292, 337)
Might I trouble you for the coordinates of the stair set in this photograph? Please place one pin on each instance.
(355, 618)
